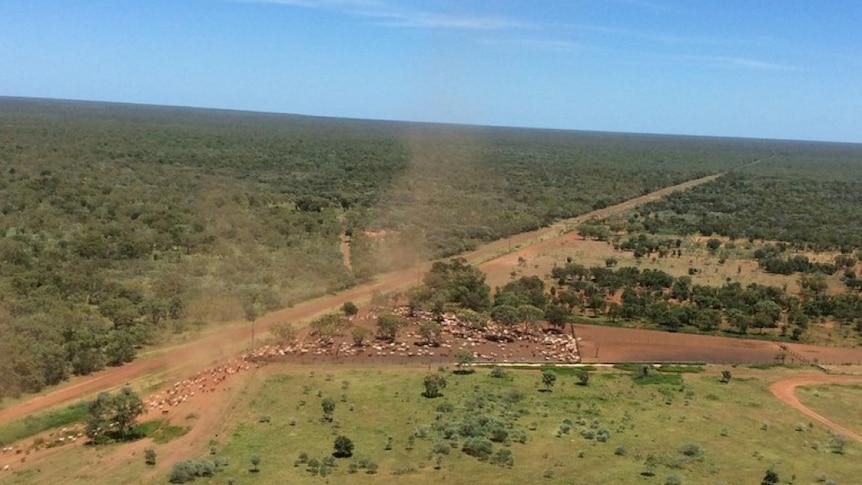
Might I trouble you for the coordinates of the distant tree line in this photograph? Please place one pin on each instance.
(809, 209)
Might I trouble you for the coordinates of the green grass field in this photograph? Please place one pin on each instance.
(13, 431)
(842, 402)
(699, 432)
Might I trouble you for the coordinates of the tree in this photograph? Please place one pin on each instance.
(328, 405)
(359, 334)
(349, 308)
(713, 244)
(837, 443)
(593, 230)
(506, 315)
(530, 315)
(707, 319)
(112, 418)
(434, 383)
(583, 377)
(255, 463)
(597, 303)
(548, 379)
(465, 360)
(725, 377)
(251, 309)
(770, 478)
(343, 447)
(613, 311)
(284, 332)
(557, 315)
(460, 283)
(473, 319)
(650, 464)
(739, 319)
(120, 347)
(388, 326)
(432, 333)
(150, 456)
(327, 327)
(183, 472)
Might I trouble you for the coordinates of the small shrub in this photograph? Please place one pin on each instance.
(603, 435)
(497, 372)
(673, 480)
(183, 472)
(837, 443)
(620, 450)
(519, 436)
(691, 450)
(349, 308)
(343, 447)
(583, 378)
(478, 447)
(440, 448)
(150, 456)
(445, 407)
(503, 457)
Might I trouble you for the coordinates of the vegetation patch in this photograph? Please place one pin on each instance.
(484, 428)
(36, 423)
(682, 368)
(161, 431)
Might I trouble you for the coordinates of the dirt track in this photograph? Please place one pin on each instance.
(784, 390)
(187, 358)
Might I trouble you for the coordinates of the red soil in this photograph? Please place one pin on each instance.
(784, 390)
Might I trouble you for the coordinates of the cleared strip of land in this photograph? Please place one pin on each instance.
(189, 357)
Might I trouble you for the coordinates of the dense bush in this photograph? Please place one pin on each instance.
(122, 224)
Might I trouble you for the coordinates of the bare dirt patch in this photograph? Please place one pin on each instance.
(612, 344)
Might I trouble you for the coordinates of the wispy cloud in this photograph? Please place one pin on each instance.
(425, 20)
(665, 38)
(536, 44)
(389, 15)
(731, 62)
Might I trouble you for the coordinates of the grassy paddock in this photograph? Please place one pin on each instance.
(842, 403)
(696, 428)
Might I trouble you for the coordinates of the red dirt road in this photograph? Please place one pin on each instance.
(190, 357)
(784, 390)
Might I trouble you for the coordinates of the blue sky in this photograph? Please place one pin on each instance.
(752, 68)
